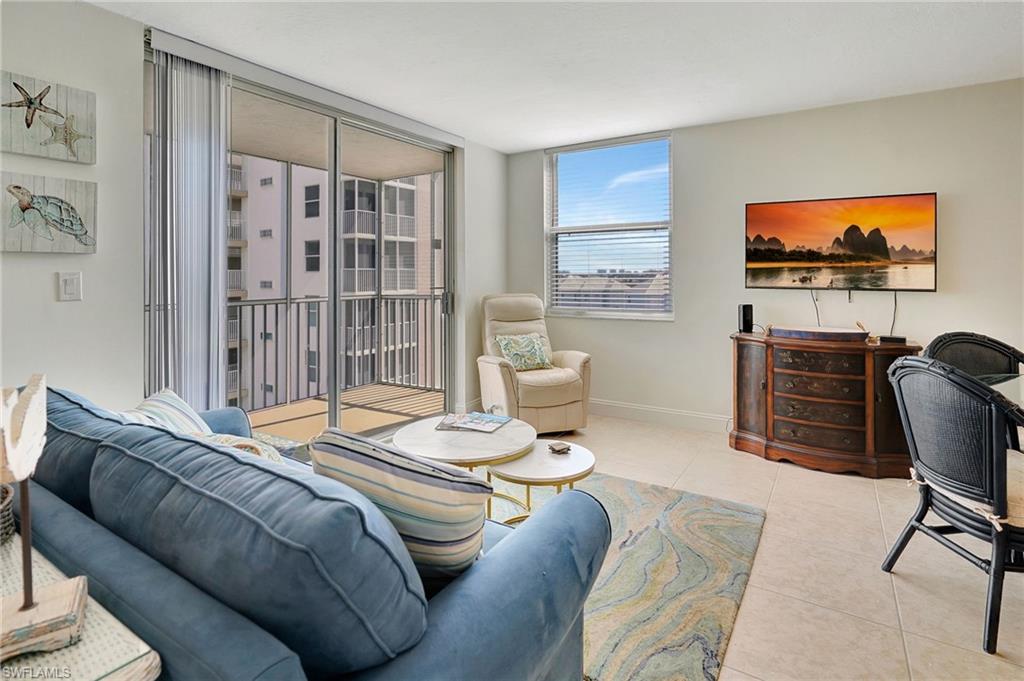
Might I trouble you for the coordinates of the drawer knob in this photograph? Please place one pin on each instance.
(846, 440)
(846, 390)
(789, 384)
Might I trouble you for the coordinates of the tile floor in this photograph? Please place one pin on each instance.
(818, 607)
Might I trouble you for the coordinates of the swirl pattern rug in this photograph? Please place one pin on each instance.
(666, 599)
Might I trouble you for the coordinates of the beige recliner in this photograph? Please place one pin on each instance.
(550, 400)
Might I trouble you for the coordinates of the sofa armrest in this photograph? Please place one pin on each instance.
(571, 359)
(228, 421)
(499, 387)
(511, 613)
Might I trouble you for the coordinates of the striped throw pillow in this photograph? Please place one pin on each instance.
(166, 409)
(438, 510)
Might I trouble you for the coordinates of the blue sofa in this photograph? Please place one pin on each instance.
(235, 568)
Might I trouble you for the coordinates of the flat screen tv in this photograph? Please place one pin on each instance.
(874, 243)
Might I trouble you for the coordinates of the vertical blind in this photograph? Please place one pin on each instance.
(609, 224)
(185, 231)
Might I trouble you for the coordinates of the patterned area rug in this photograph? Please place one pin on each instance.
(666, 599)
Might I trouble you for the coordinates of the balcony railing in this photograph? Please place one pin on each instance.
(399, 225)
(236, 225)
(358, 280)
(236, 280)
(399, 280)
(236, 177)
(359, 222)
(392, 339)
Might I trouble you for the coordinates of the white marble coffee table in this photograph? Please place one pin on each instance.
(540, 467)
(466, 448)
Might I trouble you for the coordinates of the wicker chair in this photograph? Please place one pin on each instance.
(975, 354)
(961, 434)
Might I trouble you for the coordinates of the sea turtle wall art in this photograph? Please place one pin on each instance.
(47, 215)
(42, 118)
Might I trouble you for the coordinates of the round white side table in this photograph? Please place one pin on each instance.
(466, 448)
(542, 468)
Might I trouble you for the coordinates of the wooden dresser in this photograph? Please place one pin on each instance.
(821, 404)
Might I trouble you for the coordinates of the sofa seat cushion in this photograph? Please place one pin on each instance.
(307, 558)
(549, 387)
(75, 427)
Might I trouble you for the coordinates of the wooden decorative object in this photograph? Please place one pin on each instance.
(54, 622)
(52, 617)
(826, 405)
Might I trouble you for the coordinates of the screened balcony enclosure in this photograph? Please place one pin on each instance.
(387, 211)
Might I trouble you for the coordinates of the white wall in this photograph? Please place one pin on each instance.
(93, 346)
(965, 144)
(480, 259)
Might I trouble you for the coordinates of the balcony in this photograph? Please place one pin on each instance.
(359, 222)
(354, 280)
(399, 225)
(236, 280)
(366, 410)
(399, 280)
(389, 364)
(236, 182)
(236, 226)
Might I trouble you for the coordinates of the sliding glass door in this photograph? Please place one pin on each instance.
(336, 271)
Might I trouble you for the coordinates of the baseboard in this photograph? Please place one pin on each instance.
(678, 418)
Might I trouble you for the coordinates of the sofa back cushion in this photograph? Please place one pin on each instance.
(307, 558)
(75, 427)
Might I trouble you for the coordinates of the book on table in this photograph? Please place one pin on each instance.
(476, 421)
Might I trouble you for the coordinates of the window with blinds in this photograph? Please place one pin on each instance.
(608, 231)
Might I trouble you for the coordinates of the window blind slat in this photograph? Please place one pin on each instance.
(609, 229)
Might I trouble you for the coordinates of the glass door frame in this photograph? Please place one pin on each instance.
(335, 242)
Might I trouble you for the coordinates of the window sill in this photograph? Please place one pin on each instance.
(621, 316)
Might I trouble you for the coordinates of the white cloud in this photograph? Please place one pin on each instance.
(637, 176)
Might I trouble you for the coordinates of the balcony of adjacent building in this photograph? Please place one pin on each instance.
(236, 182)
(236, 229)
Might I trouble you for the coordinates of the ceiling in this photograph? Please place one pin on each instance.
(524, 76)
(271, 129)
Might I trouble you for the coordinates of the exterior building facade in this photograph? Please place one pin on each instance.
(391, 262)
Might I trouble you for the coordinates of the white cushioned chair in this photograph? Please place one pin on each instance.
(550, 400)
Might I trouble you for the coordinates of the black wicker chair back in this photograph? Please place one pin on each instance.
(958, 431)
(975, 354)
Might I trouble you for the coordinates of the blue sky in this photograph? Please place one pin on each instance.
(627, 183)
(622, 184)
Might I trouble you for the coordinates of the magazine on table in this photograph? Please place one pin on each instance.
(476, 421)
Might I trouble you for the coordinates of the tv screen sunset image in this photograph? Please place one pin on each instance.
(878, 242)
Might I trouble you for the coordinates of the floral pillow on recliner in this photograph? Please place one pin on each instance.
(525, 352)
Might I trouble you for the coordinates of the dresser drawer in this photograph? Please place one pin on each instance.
(821, 412)
(817, 386)
(819, 362)
(820, 436)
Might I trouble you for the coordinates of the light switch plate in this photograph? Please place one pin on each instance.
(69, 286)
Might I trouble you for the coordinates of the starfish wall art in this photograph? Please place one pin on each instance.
(43, 118)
